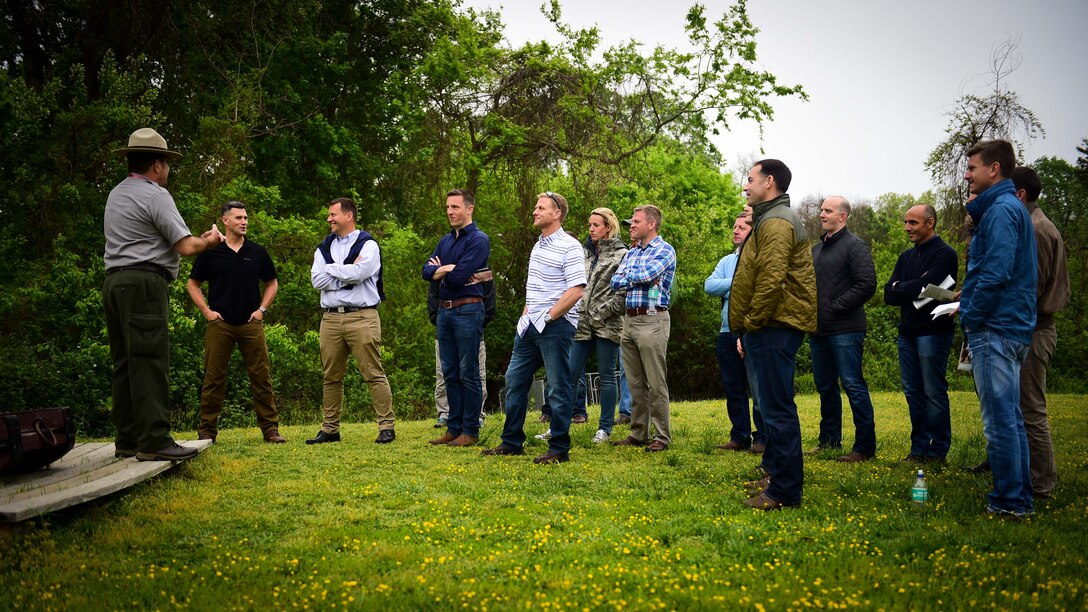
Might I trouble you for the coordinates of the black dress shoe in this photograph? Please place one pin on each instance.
(502, 451)
(323, 437)
(385, 436)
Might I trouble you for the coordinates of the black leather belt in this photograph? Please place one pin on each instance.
(143, 267)
(636, 312)
(345, 309)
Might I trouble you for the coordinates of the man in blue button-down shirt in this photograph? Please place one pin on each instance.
(646, 273)
(460, 317)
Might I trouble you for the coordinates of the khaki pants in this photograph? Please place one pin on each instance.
(1044, 468)
(644, 341)
(219, 343)
(359, 334)
(440, 401)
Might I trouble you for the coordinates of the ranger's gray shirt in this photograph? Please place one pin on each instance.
(142, 224)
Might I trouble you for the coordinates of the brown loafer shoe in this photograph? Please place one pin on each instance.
(629, 441)
(445, 438)
(762, 502)
(502, 451)
(550, 457)
(756, 448)
(854, 457)
(464, 440)
(656, 446)
(732, 445)
(272, 436)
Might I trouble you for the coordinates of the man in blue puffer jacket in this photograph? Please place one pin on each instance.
(997, 312)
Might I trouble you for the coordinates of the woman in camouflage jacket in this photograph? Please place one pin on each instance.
(600, 320)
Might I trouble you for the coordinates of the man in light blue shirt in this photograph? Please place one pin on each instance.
(731, 366)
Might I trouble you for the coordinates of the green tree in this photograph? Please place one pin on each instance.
(997, 114)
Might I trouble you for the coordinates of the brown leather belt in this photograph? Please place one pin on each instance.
(637, 312)
(461, 302)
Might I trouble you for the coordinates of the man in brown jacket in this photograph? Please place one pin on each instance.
(773, 305)
(1053, 295)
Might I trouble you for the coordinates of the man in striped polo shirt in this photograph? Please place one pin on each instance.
(557, 276)
(646, 274)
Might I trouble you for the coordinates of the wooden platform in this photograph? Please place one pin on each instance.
(87, 472)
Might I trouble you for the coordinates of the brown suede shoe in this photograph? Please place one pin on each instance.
(272, 436)
(732, 445)
(762, 502)
(629, 441)
(854, 457)
(464, 440)
(445, 438)
(755, 487)
(757, 449)
(550, 457)
(656, 446)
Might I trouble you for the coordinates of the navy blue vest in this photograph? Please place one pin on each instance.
(353, 253)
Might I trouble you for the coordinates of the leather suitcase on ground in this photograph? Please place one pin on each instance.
(34, 439)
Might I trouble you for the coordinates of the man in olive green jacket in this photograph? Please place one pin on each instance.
(773, 305)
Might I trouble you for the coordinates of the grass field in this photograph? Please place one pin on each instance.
(409, 526)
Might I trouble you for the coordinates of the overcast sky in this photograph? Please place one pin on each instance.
(881, 76)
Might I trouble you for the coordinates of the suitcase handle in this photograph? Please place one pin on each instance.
(44, 432)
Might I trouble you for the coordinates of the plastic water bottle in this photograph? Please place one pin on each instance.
(919, 493)
(655, 296)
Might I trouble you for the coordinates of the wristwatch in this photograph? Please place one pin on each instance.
(263, 310)
(548, 317)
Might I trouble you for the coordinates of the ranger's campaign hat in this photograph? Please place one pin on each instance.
(147, 140)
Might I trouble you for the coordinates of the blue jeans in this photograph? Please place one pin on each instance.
(995, 364)
(607, 352)
(550, 348)
(460, 331)
(834, 358)
(625, 391)
(923, 364)
(734, 377)
(772, 355)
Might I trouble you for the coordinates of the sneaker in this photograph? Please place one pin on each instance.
(601, 436)
(547, 435)
(441, 422)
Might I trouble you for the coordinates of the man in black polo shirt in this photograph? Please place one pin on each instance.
(235, 312)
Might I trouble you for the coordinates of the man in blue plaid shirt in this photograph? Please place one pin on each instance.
(646, 273)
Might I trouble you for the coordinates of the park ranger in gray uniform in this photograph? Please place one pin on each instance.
(145, 236)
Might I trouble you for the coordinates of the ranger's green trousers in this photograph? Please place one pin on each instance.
(136, 304)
